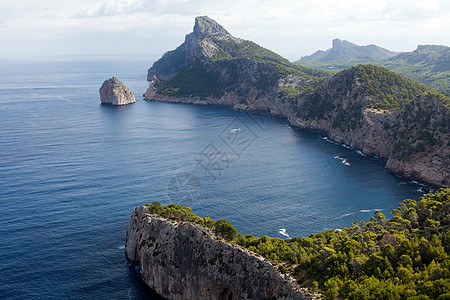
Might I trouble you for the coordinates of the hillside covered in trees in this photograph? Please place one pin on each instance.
(428, 64)
(404, 257)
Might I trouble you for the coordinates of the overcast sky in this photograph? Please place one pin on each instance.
(292, 28)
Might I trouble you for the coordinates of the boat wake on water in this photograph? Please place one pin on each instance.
(282, 231)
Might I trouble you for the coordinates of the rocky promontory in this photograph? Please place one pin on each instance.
(115, 92)
(366, 107)
(184, 260)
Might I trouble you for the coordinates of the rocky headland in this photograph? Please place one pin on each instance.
(184, 260)
(115, 92)
(184, 256)
(366, 107)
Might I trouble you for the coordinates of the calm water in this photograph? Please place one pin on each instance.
(72, 170)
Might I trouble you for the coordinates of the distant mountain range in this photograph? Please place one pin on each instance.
(428, 64)
(367, 107)
(343, 49)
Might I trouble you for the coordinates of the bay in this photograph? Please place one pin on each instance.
(72, 171)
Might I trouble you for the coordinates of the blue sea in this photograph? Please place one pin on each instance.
(72, 171)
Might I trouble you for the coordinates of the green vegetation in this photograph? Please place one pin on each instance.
(387, 90)
(429, 65)
(337, 65)
(200, 80)
(195, 80)
(344, 97)
(425, 125)
(231, 49)
(406, 257)
(226, 70)
(183, 213)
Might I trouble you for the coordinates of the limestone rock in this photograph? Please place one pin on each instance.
(115, 92)
(181, 260)
(204, 42)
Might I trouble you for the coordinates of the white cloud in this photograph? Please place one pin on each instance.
(293, 28)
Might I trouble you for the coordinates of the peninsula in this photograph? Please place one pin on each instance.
(184, 256)
(366, 107)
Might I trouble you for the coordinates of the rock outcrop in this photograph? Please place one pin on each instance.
(203, 42)
(115, 92)
(414, 141)
(182, 260)
(366, 107)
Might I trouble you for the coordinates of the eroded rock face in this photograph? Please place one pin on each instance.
(414, 140)
(200, 44)
(115, 92)
(186, 261)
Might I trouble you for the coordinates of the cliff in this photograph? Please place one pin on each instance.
(184, 260)
(366, 107)
(115, 92)
(412, 136)
(214, 67)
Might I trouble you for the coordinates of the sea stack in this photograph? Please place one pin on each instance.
(115, 92)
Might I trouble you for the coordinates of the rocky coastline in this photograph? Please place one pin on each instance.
(371, 138)
(368, 108)
(183, 260)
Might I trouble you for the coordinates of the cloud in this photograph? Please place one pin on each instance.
(293, 27)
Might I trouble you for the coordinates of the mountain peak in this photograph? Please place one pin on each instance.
(209, 42)
(342, 49)
(205, 26)
(432, 48)
(337, 43)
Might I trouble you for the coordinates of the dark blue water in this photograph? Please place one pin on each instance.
(72, 171)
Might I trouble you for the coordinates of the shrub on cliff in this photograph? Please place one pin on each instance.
(225, 229)
(183, 213)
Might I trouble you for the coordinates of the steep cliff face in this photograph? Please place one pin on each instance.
(366, 107)
(413, 137)
(412, 149)
(203, 42)
(421, 142)
(181, 260)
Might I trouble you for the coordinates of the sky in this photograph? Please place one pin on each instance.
(292, 28)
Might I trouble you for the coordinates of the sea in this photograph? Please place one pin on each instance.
(72, 171)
